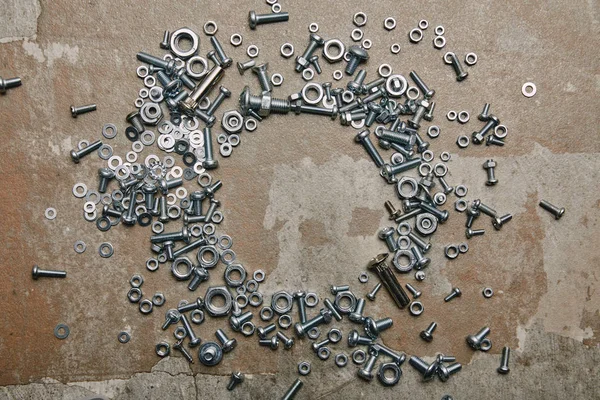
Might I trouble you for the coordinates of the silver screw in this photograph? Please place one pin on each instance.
(355, 339)
(317, 345)
(199, 274)
(299, 296)
(183, 350)
(303, 61)
(323, 317)
(105, 174)
(374, 328)
(425, 247)
(336, 289)
(357, 314)
(165, 42)
(263, 77)
(236, 378)
(503, 368)
(225, 61)
(333, 310)
(427, 370)
(272, 343)
(478, 205)
(455, 293)
(485, 113)
(442, 215)
(363, 138)
(237, 322)
(429, 114)
(293, 390)
(422, 261)
(171, 317)
(461, 74)
(46, 273)
(554, 210)
(414, 291)
(398, 358)
(387, 235)
(373, 293)
(209, 161)
(212, 55)
(427, 93)
(287, 342)
(76, 155)
(493, 140)
(427, 334)
(356, 85)
(168, 66)
(489, 125)
(259, 19)
(498, 222)
(194, 340)
(357, 55)
(223, 94)
(243, 66)
(226, 344)
(193, 245)
(474, 232)
(490, 167)
(327, 88)
(366, 372)
(263, 332)
(475, 340)
(314, 60)
(185, 234)
(10, 83)
(472, 214)
(75, 111)
(195, 305)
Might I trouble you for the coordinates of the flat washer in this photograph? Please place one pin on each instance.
(312, 87)
(124, 337)
(529, 89)
(389, 381)
(416, 308)
(50, 213)
(61, 331)
(106, 250)
(79, 246)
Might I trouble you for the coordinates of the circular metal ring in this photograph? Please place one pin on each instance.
(248, 328)
(334, 335)
(463, 117)
(471, 59)
(451, 251)
(463, 141)
(423, 24)
(50, 213)
(152, 264)
(359, 356)
(192, 62)
(338, 48)
(389, 380)
(79, 190)
(314, 333)
(403, 242)
(109, 131)
(323, 353)
(487, 292)
(463, 247)
(210, 354)
(403, 255)
(213, 309)
(439, 30)
(236, 39)
(439, 198)
(404, 228)
(184, 33)
(445, 156)
(500, 131)
(124, 337)
(363, 277)
(231, 282)
(281, 297)
(304, 368)
(425, 169)
(210, 28)
(433, 131)
(486, 345)
(529, 89)
(395, 48)
(276, 80)
(208, 262)
(416, 308)
(357, 35)
(460, 191)
(79, 246)
(287, 50)
(412, 93)
(308, 74)
(61, 331)
(106, 250)
(180, 333)
(276, 8)
(313, 28)
(439, 42)
(241, 300)
(460, 205)
(427, 156)
(440, 169)
(228, 256)
(389, 23)
(251, 124)
(385, 70)
(163, 349)
(451, 115)
(349, 297)
(396, 85)
(312, 87)
(415, 35)
(311, 299)
(337, 75)
(146, 306)
(285, 321)
(367, 44)
(259, 275)
(252, 51)
(266, 313)
(360, 19)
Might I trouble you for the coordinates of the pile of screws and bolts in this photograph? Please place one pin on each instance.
(181, 99)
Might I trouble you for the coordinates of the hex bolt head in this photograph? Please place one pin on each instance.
(236, 379)
(455, 293)
(427, 334)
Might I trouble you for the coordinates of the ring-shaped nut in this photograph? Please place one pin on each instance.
(314, 333)
(241, 289)
(389, 380)
(389, 23)
(451, 251)
(396, 158)
(277, 79)
(463, 117)
(304, 368)
(433, 131)
(425, 169)
(359, 356)
(427, 156)
(363, 277)
(440, 169)
(124, 337)
(212, 309)
(252, 51)
(463, 141)
(439, 30)
(184, 33)
(445, 156)
(416, 308)
(259, 275)
(308, 74)
(396, 90)
(255, 299)
(463, 247)
(460, 205)
(248, 328)
(228, 256)
(180, 333)
(79, 246)
(241, 300)
(404, 267)
(276, 8)
(423, 24)
(471, 59)
(158, 299)
(341, 360)
(313, 28)
(337, 75)
(251, 286)
(210, 28)
(412, 93)
(163, 349)
(385, 70)
(452, 115)
(179, 273)
(312, 87)
(334, 335)
(439, 42)
(146, 306)
(460, 191)
(415, 35)
(281, 302)
(236, 39)
(500, 131)
(285, 321)
(250, 124)
(192, 62)
(487, 292)
(332, 56)
(323, 353)
(357, 34)
(486, 345)
(404, 228)
(403, 242)
(208, 262)
(367, 44)
(311, 299)
(395, 48)
(134, 295)
(426, 224)
(345, 295)
(529, 89)
(266, 313)
(287, 50)
(407, 187)
(360, 19)
(210, 354)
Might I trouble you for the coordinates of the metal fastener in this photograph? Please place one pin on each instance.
(374, 328)
(46, 273)
(503, 368)
(474, 232)
(263, 77)
(243, 66)
(263, 332)
(236, 378)
(475, 341)
(389, 280)
(478, 205)
(491, 123)
(455, 293)
(223, 94)
(429, 114)
(236, 322)
(272, 343)
(226, 344)
(357, 314)
(490, 167)
(387, 235)
(75, 111)
(427, 334)
(398, 358)
(498, 222)
(323, 317)
(225, 60)
(357, 55)
(209, 161)
(366, 372)
(77, 155)
(421, 260)
(427, 370)
(10, 83)
(355, 339)
(485, 113)
(373, 293)
(427, 93)
(415, 292)
(194, 340)
(287, 342)
(293, 390)
(394, 213)
(333, 310)
(314, 60)
(299, 297)
(554, 210)
(303, 61)
(183, 350)
(184, 234)
(461, 74)
(172, 316)
(336, 289)
(255, 19)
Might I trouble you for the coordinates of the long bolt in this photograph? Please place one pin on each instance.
(333, 310)
(75, 111)
(442, 215)
(209, 161)
(455, 293)
(425, 247)
(10, 83)
(427, 93)
(554, 210)
(388, 171)
(193, 245)
(76, 155)
(223, 94)
(323, 317)
(336, 289)
(409, 215)
(461, 74)
(493, 140)
(194, 340)
(373, 293)
(225, 61)
(363, 138)
(374, 84)
(398, 358)
(183, 350)
(293, 390)
(236, 379)
(184, 234)
(168, 66)
(259, 19)
(317, 345)
(389, 280)
(46, 273)
(503, 368)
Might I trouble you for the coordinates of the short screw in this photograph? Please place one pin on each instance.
(503, 368)
(421, 262)
(469, 233)
(373, 293)
(226, 344)
(299, 296)
(554, 210)
(373, 84)
(184, 234)
(287, 342)
(485, 113)
(165, 42)
(429, 114)
(237, 322)
(105, 174)
(317, 345)
(336, 289)
(356, 85)
(293, 390)
(357, 55)
(46, 273)
(472, 214)
(498, 222)
(427, 370)
(209, 161)
(199, 274)
(135, 119)
(75, 111)
(374, 328)
(171, 317)
(333, 310)
(425, 247)
(212, 55)
(314, 60)
(478, 205)
(194, 340)
(10, 83)
(366, 372)
(273, 343)
(323, 317)
(223, 94)
(167, 248)
(259, 19)
(225, 61)
(461, 74)
(493, 140)
(355, 339)
(194, 305)
(474, 341)
(413, 290)
(327, 88)
(363, 138)
(236, 378)
(490, 167)
(427, 334)
(445, 187)
(398, 358)
(491, 123)
(183, 350)
(357, 314)
(243, 66)
(170, 86)
(427, 93)
(263, 332)
(168, 66)
(263, 77)
(394, 213)
(337, 94)
(455, 293)
(445, 372)
(303, 61)
(387, 235)
(76, 155)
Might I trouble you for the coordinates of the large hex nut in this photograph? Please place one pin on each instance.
(281, 302)
(407, 187)
(426, 224)
(232, 121)
(214, 310)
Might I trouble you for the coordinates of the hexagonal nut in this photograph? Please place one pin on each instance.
(232, 121)
(407, 187)
(134, 295)
(136, 281)
(278, 299)
(303, 62)
(489, 164)
(295, 96)
(212, 309)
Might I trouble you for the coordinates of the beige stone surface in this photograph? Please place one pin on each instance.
(304, 203)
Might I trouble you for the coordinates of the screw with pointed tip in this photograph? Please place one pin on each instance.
(503, 368)
(263, 332)
(75, 111)
(474, 232)
(236, 379)
(336, 289)
(226, 344)
(333, 310)
(273, 343)
(461, 74)
(77, 155)
(263, 77)
(374, 328)
(194, 305)
(10, 83)
(455, 293)
(255, 19)
(293, 390)
(373, 293)
(498, 222)
(474, 341)
(357, 55)
(427, 334)
(324, 317)
(237, 322)
(415, 292)
(554, 210)
(287, 342)
(179, 346)
(244, 66)
(485, 113)
(366, 372)
(363, 138)
(172, 316)
(46, 273)
(427, 370)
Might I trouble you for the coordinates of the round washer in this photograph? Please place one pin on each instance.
(124, 337)
(385, 70)
(415, 35)
(311, 299)
(403, 255)
(396, 89)
(50, 213)
(451, 251)
(363, 277)
(287, 50)
(433, 131)
(184, 33)
(416, 308)
(109, 131)
(487, 292)
(463, 141)
(308, 74)
(471, 59)
(106, 250)
(395, 48)
(210, 28)
(252, 51)
(333, 50)
(236, 39)
(205, 261)
(529, 89)
(389, 23)
(61, 331)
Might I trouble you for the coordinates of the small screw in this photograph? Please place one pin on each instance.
(46, 273)
(236, 378)
(491, 123)
(474, 341)
(485, 114)
(427, 334)
(429, 114)
(226, 344)
(242, 67)
(287, 342)
(503, 368)
(273, 343)
(493, 140)
(165, 42)
(427, 370)
(474, 232)
(293, 390)
(357, 55)
(387, 235)
(373, 293)
(212, 55)
(303, 61)
(461, 74)
(327, 88)
(237, 322)
(105, 174)
(299, 297)
(10, 83)
(314, 60)
(225, 61)
(172, 316)
(498, 222)
(258, 19)
(366, 372)
(455, 293)
(223, 94)
(357, 314)
(427, 93)
(554, 210)
(76, 155)
(336, 289)
(75, 111)
(414, 291)
(355, 339)
(186, 354)
(374, 328)
(263, 77)
(333, 310)
(263, 332)
(490, 167)
(194, 340)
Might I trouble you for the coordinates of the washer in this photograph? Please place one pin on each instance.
(210, 354)
(389, 23)
(50, 213)
(311, 299)
(395, 48)
(106, 250)
(471, 59)
(487, 292)
(124, 337)
(184, 33)
(163, 349)
(61, 331)
(79, 246)
(109, 131)
(308, 74)
(385, 70)
(396, 89)
(359, 356)
(363, 277)
(529, 89)
(236, 39)
(278, 298)
(416, 308)
(266, 313)
(334, 335)
(193, 62)
(463, 141)
(351, 302)
(463, 117)
(387, 380)
(285, 321)
(415, 35)
(252, 51)
(451, 251)
(304, 368)
(312, 87)
(313, 28)
(460, 191)
(439, 42)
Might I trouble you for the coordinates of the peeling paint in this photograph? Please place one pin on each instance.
(51, 52)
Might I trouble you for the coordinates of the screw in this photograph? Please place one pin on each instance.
(366, 372)
(165, 42)
(299, 296)
(226, 344)
(287, 342)
(373, 293)
(374, 110)
(314, 60)
(237, 322)
(333, 310)
(409, 215)
(199, 273)
(373, 84)
(10, 83)
(387, 235)
(273, 343)
(170, 86)
(478, 205)
(394, 213)
(258, 19)
(389, 171)
(498, 222)
(336, 289)
(202, 89)
(356, 86)
(490, 167)
(503, 368)
(263, 332)
(303, 61)
(374, 328)
(317, 345)
(415, 292)
(427, 93)
(214, 203)
(475, 340)
(427, 334)
(429, 114)
(441, 358)
(425, 247)
(472, 214)
(554, 210)
(327, 87)
(389, 280)
(171, 317)
(162, 204)
(337, 94)
(195, 305)
(493, 140)
(323, 317)
(186, 354)
(455, 293)
(373, 96)
(168, 66)
(76, 155)
(298, 108)
(168, 251)
(75, 111)
(193, 245)
(474, 232)
(107, 211)
(363, 138)
(46, 273)
(209, 161)
(263, 77)
(128, 217)
(445, 372)
(398, 358)
(357, 55)
(357, 314)
(236, 378)
(194, 340)
(427, 370)
(446, 188)
(355, 339)
(489, 125)
(204, 116)
(185, 234)
(485, 113)
(461, 74)
(422, 261)
(264, 104)
(401, 138)
(105, 174)
(225, 61)
(242, 67)
(442, 215)
(212, 55)
(293, 390)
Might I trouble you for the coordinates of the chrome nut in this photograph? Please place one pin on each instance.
(282, 297)
(232, 121)
(214, 310)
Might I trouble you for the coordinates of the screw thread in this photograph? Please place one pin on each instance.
(352, 65)
(550, 207)
(84, 109)
(152, 60)
(271, 18)
(218, 48)
(291, 392)
(280, 106)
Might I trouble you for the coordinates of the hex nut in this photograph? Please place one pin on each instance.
(134, 295)
(214, 310)
(232, 121)
(136, 281)
(281, 297)
(304, 368)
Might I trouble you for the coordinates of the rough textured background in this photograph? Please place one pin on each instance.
(303, 203)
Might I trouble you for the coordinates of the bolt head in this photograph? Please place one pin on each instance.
(359, 52)
(377, 260)
(226, 92)
(426, 336)
(353, 338)
(35, 272)
(299, 329)
(300, 294)
(274, 342)
(316, 38)
(73, 112)
(503, 370)
(473, 342)
(210, 164)
(430, 372)
(477, 138)
(74, 156)
(442, 372)
(106, 173)
(457, 291)
(362, 136)
(252, 19)
(462, 76)
(560, 213)
(469, 233)
(288, 343)
(371, 327)
(385, 233)
(423, 262)
(229, 345)
(327, 315)
(260, 68)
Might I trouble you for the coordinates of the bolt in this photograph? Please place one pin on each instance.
(348, 117)
(173, 102)
(195, 305)
(425, 247)
(358, 103)
(363, 138)
(242, 67)
(389, 171)
(223, 94)
(503, 368)
(355, 339)
(171, 317)
(373, 96)
(427, 93)
(401, 138)
(427, 370)
(374, 328)
(75, 111)
(185, 234)
(490, 166)
(298, 108)
(333, 310)
(498, 222)
(554, 210)
(263, 77)
(421, 260)
(186, 354)
(455, 293)
(168, 66)
(201, 90)
(493, 140)
(415, 292)
(46, 273)
(441, 358)
(263, 332)
(429, 114)
(389, 280)
(209, 162)
(474, 341)
(293, 390)
(357, 55)
(409, 215)
(336, 289)
(394, 213)
(165, 42)
(236, 378)
(226, 344)
(193, 245)
(149, 190)
(168, 251)
(491, 123)
(214, 203)
(478, 205)
(76, 155)
(398, 358)
(373, 293)
(461, 74)
(366, 372)
(317, 345)
(212, 189)
(264, 104)
(357, 314)
(107, 211)
(323, 317)
(327, 87)
(415, 120)
(373, 84)
(212, 55)
(129, 218)
(314, 60)
(387, 235)
(445, 372)
(421, 144)
(442, 215)
(302, 62)
(196, 198)
(485, 114)
(299, 296)
(10, 83)
(474, 232)
(105, 174)
(237, 322)
(225, 61)
(236, 310)
(194, 340)
(258, 19)
(374, 110)
(162, 205)
(427, 334)
(287, 342)
(170, 86)
(356, 86)
(472, 214)
(273, 343)
(199, 275)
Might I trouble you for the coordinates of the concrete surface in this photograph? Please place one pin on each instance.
(303, 203)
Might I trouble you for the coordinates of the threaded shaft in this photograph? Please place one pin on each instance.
(150, 59)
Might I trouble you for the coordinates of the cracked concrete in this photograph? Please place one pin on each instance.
(304, 203)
